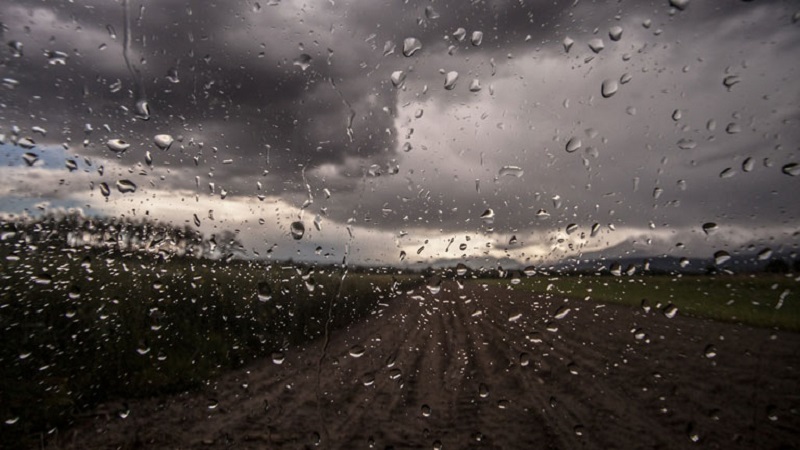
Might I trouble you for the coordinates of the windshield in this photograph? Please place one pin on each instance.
(399, 224)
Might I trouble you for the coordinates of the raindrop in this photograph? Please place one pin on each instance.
(450, 80)
(278, 358)
(727, 173)
(264, 291)
(657, 193)
(573, 144)
(411, 45)
(483, 390)
(609, 88)
(596, 45)
(357, 351)
(398, 76)
(12, 420)
(26, 143)
(388, 48)
(513, 171)
(595, 229)
(477, 38)
(163, 141)
(710, 351)
(679, 4)
(142, 110)
(710, 228)
(529, 271)
(104, 189)
(615, 33)
(117, 145)
(733, 128)
(426, 411)
(730, 81)
(568, 42)
(297, 229)
(765, 254)
(748, 165)
(615, 269)
(434, 285)
(30, 158)
(475, 85)
(172, 75)
(677, 115)
(791, 169)
(303, 61)
(670, 311)
(571, 228)
(461, 269)
(721, 257)
(460, 34)
(488, 216)
(126, 186)
(16, 48)
(686, 144)
(562, 312)
(430, 13)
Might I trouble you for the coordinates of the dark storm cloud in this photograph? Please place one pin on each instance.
(247, 114)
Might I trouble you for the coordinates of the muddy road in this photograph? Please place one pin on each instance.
(489, 367)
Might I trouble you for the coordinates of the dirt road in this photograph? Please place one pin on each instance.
(488, 367)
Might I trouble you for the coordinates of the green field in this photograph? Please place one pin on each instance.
(750, 299)
(84, 326)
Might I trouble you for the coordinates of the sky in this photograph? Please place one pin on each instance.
(319, 112)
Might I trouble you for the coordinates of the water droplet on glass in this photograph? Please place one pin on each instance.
(679, 4)
(596, 45)
(357, 351)
(488, 216)
(117, 145)
(791, 169)
(483, 390)
(710, 351)
(460, 34)
(512, 171)
(303, 61)
(450, 80)
(568, 42)
(26, 143)
(748, 165)
(426, 411)
(609, 88)
(477, 38)
(733, 128)
(686, 144)
(571, 228)
(721, 257)
(461, 269)
(573, 144)
(765, 254)
(475, 85)
(12, 420)
(163, 141)
(434, 285)
(730, 81)
(104, 189)
(264, 291)
(278, 358)
(411, 45)
(388, 48)
(398, 76)
(297, 229)
(30, 158)
(670, 311)
(710, 228)
(657, 193)
(562, 312)
(430, 13)
(212, 403)
(126, 186)
(142, 110)
(615, 33)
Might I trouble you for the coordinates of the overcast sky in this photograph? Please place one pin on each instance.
(278, 103)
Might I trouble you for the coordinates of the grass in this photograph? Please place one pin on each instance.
(83, 327)
(749, 299)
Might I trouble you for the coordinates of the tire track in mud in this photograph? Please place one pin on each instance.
(653, 391)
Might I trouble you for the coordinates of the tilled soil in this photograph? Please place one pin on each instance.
(485, 366)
